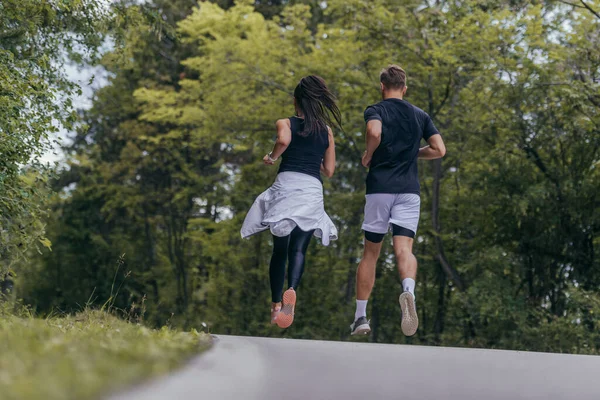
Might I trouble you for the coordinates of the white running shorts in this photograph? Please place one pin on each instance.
(384, 209)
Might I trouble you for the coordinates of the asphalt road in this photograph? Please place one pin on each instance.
(248, 368)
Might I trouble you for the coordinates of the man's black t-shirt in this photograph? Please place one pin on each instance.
(394, 164)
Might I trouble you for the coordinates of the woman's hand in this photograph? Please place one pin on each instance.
(267, 160)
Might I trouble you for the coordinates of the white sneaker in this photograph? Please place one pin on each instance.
(410, 319)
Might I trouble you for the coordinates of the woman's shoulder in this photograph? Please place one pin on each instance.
(283, 122)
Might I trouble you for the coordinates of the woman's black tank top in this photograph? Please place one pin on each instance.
(305, 153)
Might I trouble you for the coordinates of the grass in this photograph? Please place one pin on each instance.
(84, 356)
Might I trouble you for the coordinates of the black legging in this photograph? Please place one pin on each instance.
(293, 248)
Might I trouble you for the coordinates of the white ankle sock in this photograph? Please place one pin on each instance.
(361, 309)
(408, 285)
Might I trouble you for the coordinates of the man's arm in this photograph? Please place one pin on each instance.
(373, 140)
(436, 148)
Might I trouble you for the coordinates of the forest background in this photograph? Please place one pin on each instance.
(159, 173)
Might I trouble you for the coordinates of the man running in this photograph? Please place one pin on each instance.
(394, 132)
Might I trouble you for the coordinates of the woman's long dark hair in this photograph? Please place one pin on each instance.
(317, 103)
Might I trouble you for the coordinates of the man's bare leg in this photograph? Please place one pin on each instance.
(365, 274)
(405, 259)
(407, 267)
(365, 280)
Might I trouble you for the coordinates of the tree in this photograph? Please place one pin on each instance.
(37, 39)
(33, 101)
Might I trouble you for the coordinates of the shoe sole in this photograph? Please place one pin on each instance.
(286, 315)
(410, 319)
(363, 329)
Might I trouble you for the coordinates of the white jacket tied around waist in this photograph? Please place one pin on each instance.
(294, 199)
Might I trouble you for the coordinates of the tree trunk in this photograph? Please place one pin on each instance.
(438, 326)
(450, 272)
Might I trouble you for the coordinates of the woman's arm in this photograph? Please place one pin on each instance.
(284, 137)
(328, 165)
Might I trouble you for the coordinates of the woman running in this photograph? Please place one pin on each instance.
(292, 208)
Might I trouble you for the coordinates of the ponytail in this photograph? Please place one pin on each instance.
(318, 105)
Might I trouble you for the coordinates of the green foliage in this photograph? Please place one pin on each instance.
(509, 231)
(37, 40)
(35, 100)
(82, 356)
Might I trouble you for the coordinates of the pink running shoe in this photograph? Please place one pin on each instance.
(286, 316)
(274, 313)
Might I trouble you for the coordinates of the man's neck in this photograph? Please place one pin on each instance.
(393, 94)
